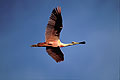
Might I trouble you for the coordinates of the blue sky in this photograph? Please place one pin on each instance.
(23, 23)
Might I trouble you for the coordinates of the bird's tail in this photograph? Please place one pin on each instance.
(35, 45)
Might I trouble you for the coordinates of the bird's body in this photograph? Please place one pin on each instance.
(52, 35)
(49, 43)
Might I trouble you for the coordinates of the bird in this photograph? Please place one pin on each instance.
(52, 36)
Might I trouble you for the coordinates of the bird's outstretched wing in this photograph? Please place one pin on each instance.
(55, 53)
(54, 25)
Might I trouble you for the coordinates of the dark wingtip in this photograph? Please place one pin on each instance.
(59, 61)
(59, 9)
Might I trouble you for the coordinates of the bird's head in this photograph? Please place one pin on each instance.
(73, 42)
(78, 42)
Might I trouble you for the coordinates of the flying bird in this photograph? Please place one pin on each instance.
(52, 36)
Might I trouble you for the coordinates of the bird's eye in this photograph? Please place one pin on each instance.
(73, 42)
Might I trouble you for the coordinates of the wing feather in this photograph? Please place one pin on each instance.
(54, 25)
(55, 53)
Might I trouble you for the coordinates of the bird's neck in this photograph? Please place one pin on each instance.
(70, 44)
(65, 45)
